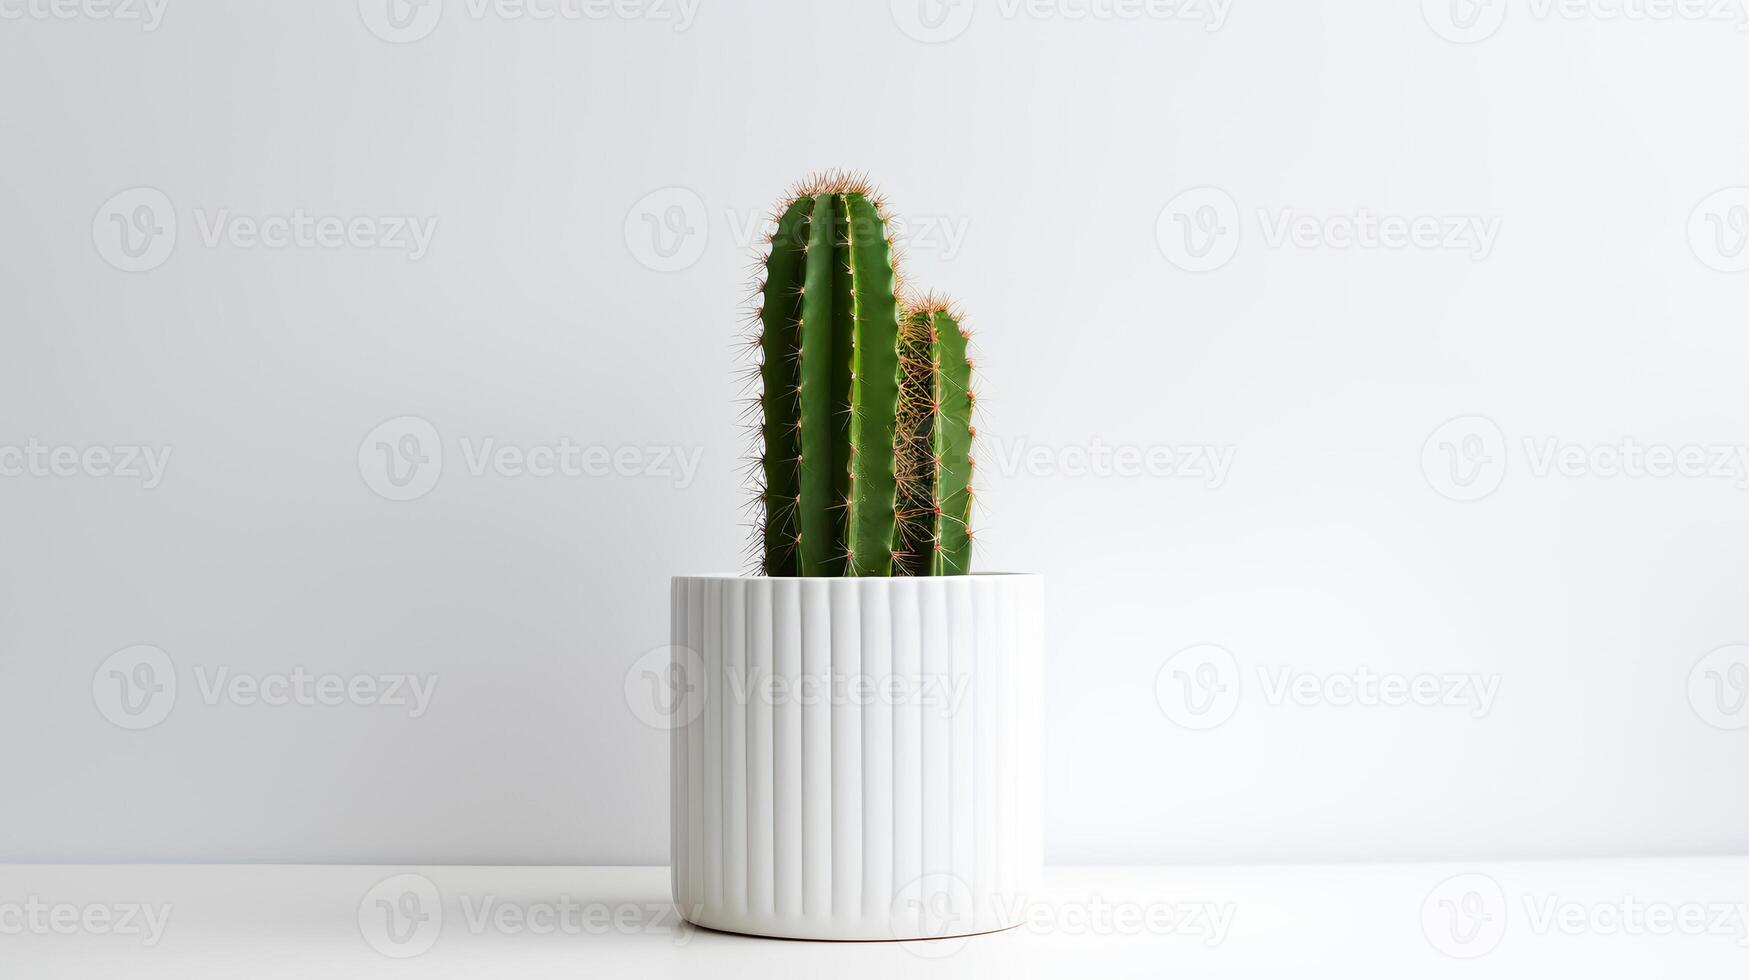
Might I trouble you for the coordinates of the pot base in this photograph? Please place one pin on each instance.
(809, 933)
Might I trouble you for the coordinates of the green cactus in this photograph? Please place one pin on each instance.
(865, 408)
(935, 439)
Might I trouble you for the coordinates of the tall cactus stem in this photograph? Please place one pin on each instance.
(873, 524)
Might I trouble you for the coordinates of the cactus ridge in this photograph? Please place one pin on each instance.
(863, 416)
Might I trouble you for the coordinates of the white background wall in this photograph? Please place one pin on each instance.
(567, 162)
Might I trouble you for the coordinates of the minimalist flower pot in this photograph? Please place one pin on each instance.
(856, 758)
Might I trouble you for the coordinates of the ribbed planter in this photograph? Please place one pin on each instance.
(856, 758)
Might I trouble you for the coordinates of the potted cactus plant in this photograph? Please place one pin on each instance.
(859, 756)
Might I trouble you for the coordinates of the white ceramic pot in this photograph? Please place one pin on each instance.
(856, 758)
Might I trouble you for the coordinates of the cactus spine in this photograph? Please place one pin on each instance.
(865, 404)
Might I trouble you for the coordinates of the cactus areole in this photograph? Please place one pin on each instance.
(865, 403)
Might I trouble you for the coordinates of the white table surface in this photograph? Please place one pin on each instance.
(1686, 918)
